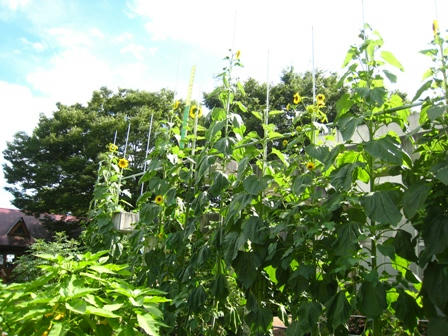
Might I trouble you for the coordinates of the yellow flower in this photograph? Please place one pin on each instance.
(193, 110)
(237, 55)
(176, 105)
(435, 27)
(59, 316)
(321, 103)
(320, 98)
(296, 98)
(284, 143)
(310, 165)
(158, 199)
(45, 333)
(123, 163)
(112, 148)
(288, 107)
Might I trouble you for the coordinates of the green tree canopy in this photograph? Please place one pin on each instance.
(54, 169)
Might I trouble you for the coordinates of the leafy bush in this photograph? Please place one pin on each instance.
(79, 295)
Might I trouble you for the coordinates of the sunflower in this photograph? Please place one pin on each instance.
(296, 98)
(321, 103)
(320, 98)
(435, 27)
(176, 105)
(123, 163)
(193, 110)
(237, 54)
(112, 147)
(310, 165)
(284, 143)
(158, 199)
(310, 108)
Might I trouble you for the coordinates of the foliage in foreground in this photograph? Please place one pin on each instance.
(79, 295)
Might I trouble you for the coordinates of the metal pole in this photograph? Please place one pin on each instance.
(115, 137)
(266, 116)
(147, 149)
(127, 138)
(313, 67)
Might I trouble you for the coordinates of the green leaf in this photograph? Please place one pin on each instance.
(407, 310)
(257, 115)
(441, 171)
(343, 105)
(245, 266)
(241, 106)
(320, 153)
(347, 126)
(437, 326)
(254, 185)
(197, 299)
(220, 182)
(101, 269)
(342, 177)
(309, 313)
(220, 287)
(338, 310)
(390, 76)
(386, 149)
(390, 58)
(280, 155)
(372, 299)
(56, 329)
(380, 207)
(148, 324)
(422, 89)
(404, 246)
(435, 285)
(100, 312)
(414, 198)
(435, 235)
(300, 183)
(436, 111)
(241, 88)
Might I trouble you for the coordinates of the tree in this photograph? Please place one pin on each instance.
(281, 95)
(54, 169)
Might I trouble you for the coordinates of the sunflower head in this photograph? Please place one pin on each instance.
(158, 199)
(320, 98)
(435, 27)
(112, 148)
(321, 103)
(176, 105)
(296, 99)
(123, 163)
(195, 112)
(238, 54)
(310, 165)
(284, 143)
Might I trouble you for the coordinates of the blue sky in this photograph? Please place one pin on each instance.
(61, 50)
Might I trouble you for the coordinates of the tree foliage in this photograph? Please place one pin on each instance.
(54, 169)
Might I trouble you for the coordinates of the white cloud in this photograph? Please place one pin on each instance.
(35, 45)
(124, 37)
(15, 4)
(134, 49)
(20, 113)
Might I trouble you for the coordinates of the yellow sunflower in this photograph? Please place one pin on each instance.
(123, 163)
(296, 98)
(193, 110)
(237, 55)
(321, 103)
(112, 148)
(158, 199)
(435, 27)
(310, 165)
(320, 98)
(284, 143)
(176, 105)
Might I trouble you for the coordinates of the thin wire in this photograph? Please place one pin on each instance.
(313, 67)
(147, 150)
(127, 138)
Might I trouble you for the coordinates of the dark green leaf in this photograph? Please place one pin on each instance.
(435, 235)
(338, 310)
(254, 184)
(422, 89)
(414, 198)
(220, 182)
(245, 266)
(380, 207)
(441, 171)
(390, 76)
(197, 299)
(347, 126)
(300, 183)
(404, 246)
(437, 326)
(386, 149)
(435, 285)
(407, 310)
(435, 111)
(220, 287)
(320, 153)
(372, 299)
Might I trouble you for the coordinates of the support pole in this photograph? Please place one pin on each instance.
(147, 150)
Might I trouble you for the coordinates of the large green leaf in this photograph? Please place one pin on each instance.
(435, 235)
(407, 310)
(148, 324)
(220, 287)
(300, 183)
(436, 111)
(386, 149)
(404, 246)
(338, 310)
(254, 185)
(435, 285)
(245, 266)
(441, 171)
(347, 126)
(414, 198)
(320, 153)
(220, 182)
(342, 178)
(380, 207)
(390, 58)
(343, 105)
(437, 326)
(372, 299)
